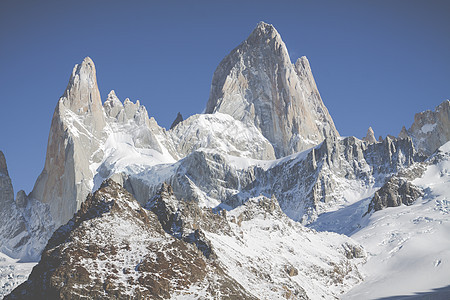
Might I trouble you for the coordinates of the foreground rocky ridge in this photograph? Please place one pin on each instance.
(113, 248)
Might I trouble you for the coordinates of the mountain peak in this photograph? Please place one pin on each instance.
(87, 67)
(257, 83)
(263, 34)
(370, 136)
(3, 167)
(177, 120)
(264, 28)
(82, 94)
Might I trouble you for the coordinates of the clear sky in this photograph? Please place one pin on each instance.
(376, 63)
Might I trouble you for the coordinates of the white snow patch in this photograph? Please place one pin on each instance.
(428, 128)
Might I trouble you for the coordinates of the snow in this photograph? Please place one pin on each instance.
(428, 128)
(12, 273)
(260, 249)
(410, 245)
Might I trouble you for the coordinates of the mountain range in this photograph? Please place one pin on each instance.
(258, 197)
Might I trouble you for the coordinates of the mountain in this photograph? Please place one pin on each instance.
(408, 245)
(260, 195)
(431, 129)
(25, 223)
(124, 247)
(257, 83)
(77, 125)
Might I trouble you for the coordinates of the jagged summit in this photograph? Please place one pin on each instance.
(82, 94)
(3, 167)
(76, 129)
(370, 136)
(257, 83)
(177, 120)
(431, 129)
(263, 33)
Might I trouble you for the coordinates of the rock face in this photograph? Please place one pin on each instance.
(395, 192)
(370, 136)
(431, 129)
(113, 248)
(25, 224)
(177, 120)
(320, 177)
(257, 83)
(77, 126)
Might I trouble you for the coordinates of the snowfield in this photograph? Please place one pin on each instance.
(409, 246)
(12, 273)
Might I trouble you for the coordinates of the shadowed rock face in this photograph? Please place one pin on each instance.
(257, 83)
(177, 120)
(113, 248)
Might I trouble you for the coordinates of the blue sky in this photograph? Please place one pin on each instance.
(376, 63)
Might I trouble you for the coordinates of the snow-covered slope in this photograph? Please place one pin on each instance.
(270, 255)
(409, 246)
(25, 224)
(12, 273)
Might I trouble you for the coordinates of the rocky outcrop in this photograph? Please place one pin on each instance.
(370, 136)
(399, 189)
(113, 248)
(185, 220)
(395, 192)
(257, 84)
(431, 129)
(177, 120)
(6, 188)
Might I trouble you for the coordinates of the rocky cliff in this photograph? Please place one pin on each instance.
(431, 129)
(73, 145)
(257, 84)
(306, 184)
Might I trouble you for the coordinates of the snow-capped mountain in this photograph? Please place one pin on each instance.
(257, 194)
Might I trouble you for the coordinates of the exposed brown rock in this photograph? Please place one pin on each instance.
(114, 249)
